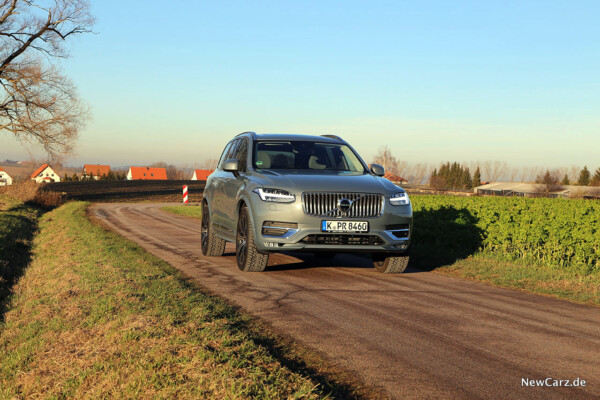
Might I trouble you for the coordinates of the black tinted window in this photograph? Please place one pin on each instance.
(305, 155)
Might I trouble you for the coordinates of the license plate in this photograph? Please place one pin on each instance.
(345, 226)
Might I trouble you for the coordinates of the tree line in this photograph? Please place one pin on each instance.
(454, 175)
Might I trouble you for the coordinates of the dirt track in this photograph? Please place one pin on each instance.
(419, 335)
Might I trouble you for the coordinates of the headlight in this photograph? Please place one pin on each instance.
(277, 195)
(399, 199)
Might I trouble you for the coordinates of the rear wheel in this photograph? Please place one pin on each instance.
(211, 244)
(248, 257)
(390, 264)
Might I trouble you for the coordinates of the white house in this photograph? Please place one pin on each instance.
(5, 178)
(45, 174)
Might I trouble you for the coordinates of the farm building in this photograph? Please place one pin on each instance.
(5, 178)
(96, 170)
(45, 174)
(146, 173)
(521, 189)
(394, 178)
(201, 174)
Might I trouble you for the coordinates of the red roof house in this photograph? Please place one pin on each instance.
(394, 178)
(146, 173)
(201, 174)
(96, 170)
(45, 173)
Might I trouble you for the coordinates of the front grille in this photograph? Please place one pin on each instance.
(324, 204)
(344, 240)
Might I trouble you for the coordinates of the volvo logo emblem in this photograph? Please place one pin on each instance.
(344, 205)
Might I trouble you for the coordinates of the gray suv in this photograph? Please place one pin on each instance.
(279, 193)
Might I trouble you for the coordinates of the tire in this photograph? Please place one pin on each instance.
(211, 244)
(390, 264)
(248, 257)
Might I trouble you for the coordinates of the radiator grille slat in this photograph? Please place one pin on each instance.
(325, 204)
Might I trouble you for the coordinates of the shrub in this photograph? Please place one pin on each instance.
(32, 193)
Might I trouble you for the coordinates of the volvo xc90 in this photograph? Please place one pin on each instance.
(284, 193)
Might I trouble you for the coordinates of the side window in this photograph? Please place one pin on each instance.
(242, 154)
(233, 149)
(224, 156)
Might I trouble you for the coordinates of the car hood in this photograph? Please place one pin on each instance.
(323, 181)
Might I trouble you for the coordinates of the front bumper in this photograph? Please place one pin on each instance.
(388, 233)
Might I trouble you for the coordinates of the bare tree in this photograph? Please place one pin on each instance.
(421, 172)
(574, 173)
(385, 158)
(210, 163)
(37, 103)
(401, 168)
(529, 174)
(512, 173)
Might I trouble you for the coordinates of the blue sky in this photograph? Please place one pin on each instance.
(434, 80)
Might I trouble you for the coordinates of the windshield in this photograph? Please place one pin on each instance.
(305, 155)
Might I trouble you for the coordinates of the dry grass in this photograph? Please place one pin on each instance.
(96, 316)
(32, 193)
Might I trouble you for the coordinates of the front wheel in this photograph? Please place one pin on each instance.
(390, 264)
(249, 258)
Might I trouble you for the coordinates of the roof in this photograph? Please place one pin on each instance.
(148, 173)
(1, 169)
(202, 173)
(522, 187)
(39, 170)
(296, 137)
(96, 169)
(393, 178)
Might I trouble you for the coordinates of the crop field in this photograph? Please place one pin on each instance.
(129, 191)
(561, 233)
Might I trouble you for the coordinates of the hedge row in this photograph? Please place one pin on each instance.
(565, 233)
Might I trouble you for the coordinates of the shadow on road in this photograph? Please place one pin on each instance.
(444, 236)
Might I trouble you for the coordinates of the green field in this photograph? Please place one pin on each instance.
(545, 246)
(94, 315)
(556, 232)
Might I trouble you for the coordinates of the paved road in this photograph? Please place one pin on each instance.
(419, 335)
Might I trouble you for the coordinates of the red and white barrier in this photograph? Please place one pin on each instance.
(185, 194)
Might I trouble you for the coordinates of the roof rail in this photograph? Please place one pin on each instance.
(250, 132)
(334, 137)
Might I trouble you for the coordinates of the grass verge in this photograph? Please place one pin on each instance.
(528, 276)
(187, 211)
(94, 315)
(485, 266)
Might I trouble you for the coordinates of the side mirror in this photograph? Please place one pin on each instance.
(232, 165)
(377, 169)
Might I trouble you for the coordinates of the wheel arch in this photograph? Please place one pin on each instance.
(243, 201)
